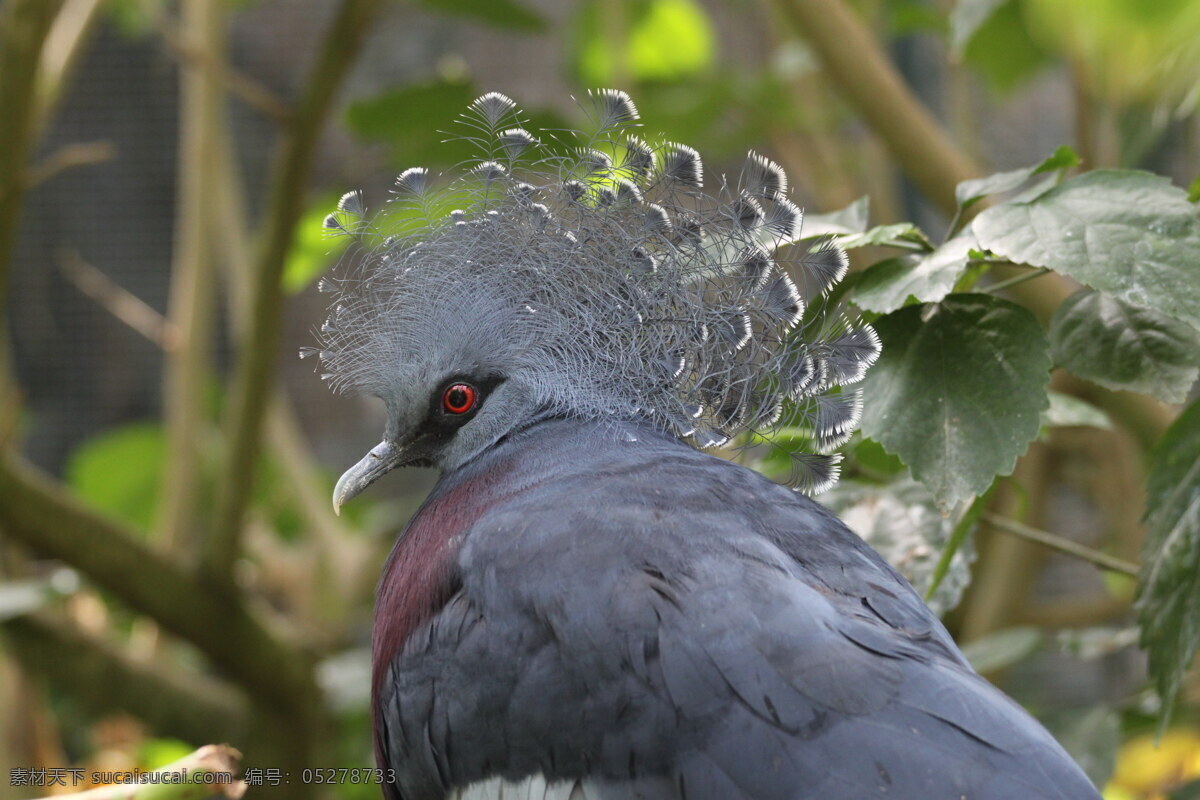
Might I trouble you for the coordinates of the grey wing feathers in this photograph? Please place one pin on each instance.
(687, 630)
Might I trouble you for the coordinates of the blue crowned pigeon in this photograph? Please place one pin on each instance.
(588, 605)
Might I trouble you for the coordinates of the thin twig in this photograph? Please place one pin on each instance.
(1062, 545)
(1014, 280)
(250, 91)
(255, 373)
(118, 301)
(79, 154)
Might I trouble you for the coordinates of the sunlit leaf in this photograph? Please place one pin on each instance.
(958, 392)
(1123, 346)
(883, 235)
(314, 248)
(1131, 234)
(1169, 586)
(663, 40)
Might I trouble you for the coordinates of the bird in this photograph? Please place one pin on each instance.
(591, 604)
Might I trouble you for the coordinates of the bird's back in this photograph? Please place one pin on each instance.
(624, 616)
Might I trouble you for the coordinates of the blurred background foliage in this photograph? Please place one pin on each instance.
(170, 571)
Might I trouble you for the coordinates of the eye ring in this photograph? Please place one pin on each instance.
(459, 398)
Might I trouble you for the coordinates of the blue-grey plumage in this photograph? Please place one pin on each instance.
(587, 606)
(626, 613)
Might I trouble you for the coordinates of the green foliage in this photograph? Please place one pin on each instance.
(958, 391)
(1169, 585)
(119, 472)
(1000, 48)
(643, 40)
(313, 249)
(1131, 234)
(495, 13)
(971, 191)
(412, 120)
(927, 278)
(1123, 346)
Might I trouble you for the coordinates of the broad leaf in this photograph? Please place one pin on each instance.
(902, 522)
(887, 285)
(1131, 234)
(1123, 346)
(851, 219)
(958, 391)
(1169, 586)
(969, 192)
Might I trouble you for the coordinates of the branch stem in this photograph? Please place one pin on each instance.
(1062, 545)
(255, 372)
(1018, 279)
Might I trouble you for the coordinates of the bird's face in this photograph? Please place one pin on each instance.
(443, 411)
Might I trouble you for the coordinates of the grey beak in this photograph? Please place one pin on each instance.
(383, 458)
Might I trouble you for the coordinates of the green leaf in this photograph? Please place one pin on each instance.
(665, 40)
(1131, 234)
(119, 472)
(851, 219)
(314, 249)
(893, 235)
(412, 120)
(1002, 51)
(887, 285)
(1169, 585)
(1194, 191)
(1066, 411)
(965, 19)
(958, 391)
(969, 192)
(902, 522)
(1003, 648)
(1123, 346)
(497, 13)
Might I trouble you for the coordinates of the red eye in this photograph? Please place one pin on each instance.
(459, 398)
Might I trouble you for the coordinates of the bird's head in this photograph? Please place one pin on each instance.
(588, 275)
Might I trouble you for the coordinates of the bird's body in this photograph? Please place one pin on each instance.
(619, 615)
(588, 606)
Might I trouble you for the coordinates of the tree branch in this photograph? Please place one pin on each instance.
(192, 302)
(1062, 545)
(35, 511)
(24, 25)
(212, 759)
(254, 378)
(175, 702)
(856, 64)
